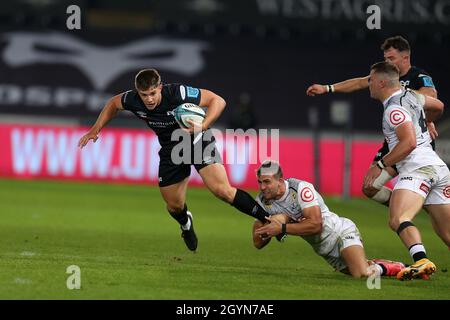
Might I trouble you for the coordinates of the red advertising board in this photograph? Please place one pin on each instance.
(131, 156)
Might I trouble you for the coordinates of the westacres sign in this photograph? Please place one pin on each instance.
(413, 15)
(60, 74)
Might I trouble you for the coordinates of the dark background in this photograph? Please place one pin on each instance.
(271, 49)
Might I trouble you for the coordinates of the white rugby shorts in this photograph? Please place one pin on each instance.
(431, 182)
(347, 236)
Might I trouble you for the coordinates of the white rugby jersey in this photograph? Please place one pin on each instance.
(300, 195)
(407, 106)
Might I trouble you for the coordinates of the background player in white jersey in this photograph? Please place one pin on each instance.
(424, 179)
(334, 238)
(397, 51)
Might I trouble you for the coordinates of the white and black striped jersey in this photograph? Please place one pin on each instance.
(407, 106)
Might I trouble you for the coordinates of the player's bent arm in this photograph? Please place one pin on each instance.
(434, 108)
(352, 85)
(258, 241)
(346, 86)
(310, 224)
(407, 143)
(428, 91)
(108, 112)
(214, 104)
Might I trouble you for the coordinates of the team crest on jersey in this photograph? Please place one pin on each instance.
(306, 194)
(396, 117)
(447, 192)
(404, 84)
(426, 189)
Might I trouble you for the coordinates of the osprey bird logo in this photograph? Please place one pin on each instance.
(103, 64)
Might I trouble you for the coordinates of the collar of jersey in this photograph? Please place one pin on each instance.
(399, 91)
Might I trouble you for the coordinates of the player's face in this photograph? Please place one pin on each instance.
(151, 97)
(395, 57)
(269, 186)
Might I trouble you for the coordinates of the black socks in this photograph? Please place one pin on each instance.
(180, 216)
(246, 204)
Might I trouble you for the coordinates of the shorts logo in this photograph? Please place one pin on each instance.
(447, 192)
(396, 117)
(349, 237)
(426, 188)
(307, 195)
(406, 178)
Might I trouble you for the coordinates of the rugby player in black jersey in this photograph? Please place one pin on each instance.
(154, 103)
(397, 51)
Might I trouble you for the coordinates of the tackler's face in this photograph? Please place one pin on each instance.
(269, 186)
(151, 97)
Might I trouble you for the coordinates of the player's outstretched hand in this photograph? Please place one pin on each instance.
(85, 139)
(271, 229)
(316, 89)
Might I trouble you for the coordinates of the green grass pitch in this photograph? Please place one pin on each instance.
(128, 247)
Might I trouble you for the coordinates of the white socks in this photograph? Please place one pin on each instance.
(416, 248)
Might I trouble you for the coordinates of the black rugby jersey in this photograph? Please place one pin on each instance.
(161, 119)
(416, 78)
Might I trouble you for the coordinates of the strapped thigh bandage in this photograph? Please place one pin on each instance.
(383, 195)
(381, 180)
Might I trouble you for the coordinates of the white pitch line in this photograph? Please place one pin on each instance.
(27, 254)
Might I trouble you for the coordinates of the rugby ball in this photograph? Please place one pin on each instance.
(189, 111)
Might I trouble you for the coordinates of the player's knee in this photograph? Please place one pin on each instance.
(175, 206)
(398, 224)
(224, 193)
(394, 223)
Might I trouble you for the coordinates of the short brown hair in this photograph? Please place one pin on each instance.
(397, 42)
(146, 79)
(387, 68)
(270, 167)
